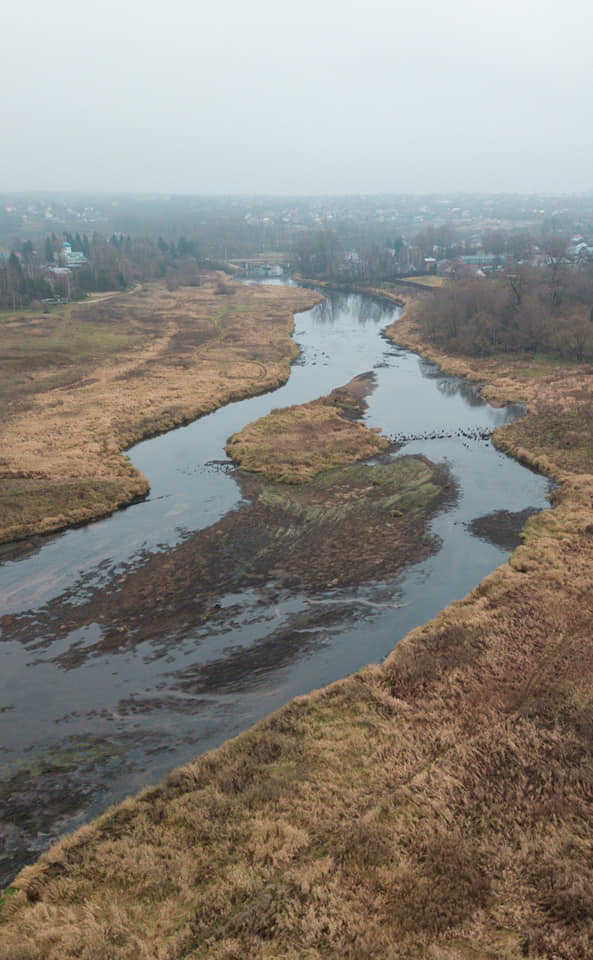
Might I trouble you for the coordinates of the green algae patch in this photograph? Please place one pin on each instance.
(5, 894)
(295, 443)
(350, 524)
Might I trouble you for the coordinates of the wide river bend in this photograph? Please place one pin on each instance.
(81, 726)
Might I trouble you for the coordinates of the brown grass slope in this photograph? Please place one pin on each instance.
(437, 807)
(81, 384)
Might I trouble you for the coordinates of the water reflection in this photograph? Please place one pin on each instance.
(451, 386)
(338, 305)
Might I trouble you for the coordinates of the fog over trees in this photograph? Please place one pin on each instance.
(518, 271)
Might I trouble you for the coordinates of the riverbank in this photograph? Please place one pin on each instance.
(85, 382)
(437, 805)
(556, 435)
(345, 527)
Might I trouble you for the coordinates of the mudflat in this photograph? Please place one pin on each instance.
(82, 383)
(347, 526)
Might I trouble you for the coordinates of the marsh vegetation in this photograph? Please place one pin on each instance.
(84, 382)
(434, 805)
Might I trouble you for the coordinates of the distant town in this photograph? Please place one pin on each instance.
(62, 247)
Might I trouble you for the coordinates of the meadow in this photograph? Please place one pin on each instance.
(82, 383)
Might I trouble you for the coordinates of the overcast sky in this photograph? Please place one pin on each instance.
(313, 96)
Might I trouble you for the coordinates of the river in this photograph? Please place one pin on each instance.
(84, 721)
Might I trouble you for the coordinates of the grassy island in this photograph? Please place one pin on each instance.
(293, 444)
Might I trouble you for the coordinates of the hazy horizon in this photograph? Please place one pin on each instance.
(332, 99)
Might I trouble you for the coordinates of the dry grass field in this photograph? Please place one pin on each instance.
(429, 281)
(438, 806)
(81, 384)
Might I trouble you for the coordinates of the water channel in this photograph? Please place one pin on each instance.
(84, 722)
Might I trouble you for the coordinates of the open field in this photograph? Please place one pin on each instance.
(428, 281)
(293, 444)
(437, 806)
(81, 384)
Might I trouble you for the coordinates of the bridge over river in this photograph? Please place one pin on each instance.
(266, 264)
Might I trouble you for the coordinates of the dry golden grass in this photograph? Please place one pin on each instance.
(436, 807)
(82, 384)
(293, 444)
(430, 281)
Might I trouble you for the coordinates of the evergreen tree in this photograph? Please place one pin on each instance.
(185, 247)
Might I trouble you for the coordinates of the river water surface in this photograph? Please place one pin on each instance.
(83, 723)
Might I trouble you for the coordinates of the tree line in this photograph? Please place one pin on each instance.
(525, 310)
(28, 273)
